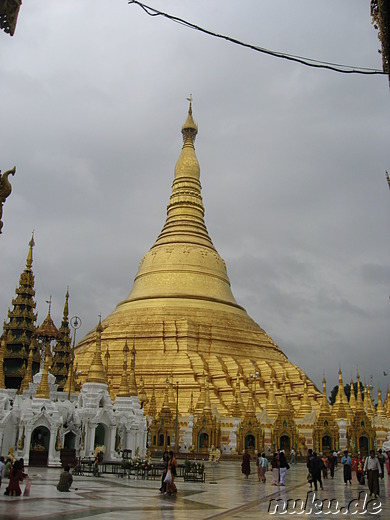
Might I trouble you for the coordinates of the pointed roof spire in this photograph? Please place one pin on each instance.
(29, 259)
(352, 398)
(124, 390)
(359, 400)
(379, 409)
(152, 410)
(43, 390)
(96, 373)
(237, 408)
(143, 397)
(305, 407)
(325, 406)
(28, 376)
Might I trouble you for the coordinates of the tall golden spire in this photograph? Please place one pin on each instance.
(43, 390)
(124, 390)
(187, 239)
(359, 400)
(305, 407)
(352, 398)
(340, 408)
(2, 352)
(96, 373)
(28, 377)
(325, 407)
(379, 409)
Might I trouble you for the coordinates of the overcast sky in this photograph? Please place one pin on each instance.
(293, 159)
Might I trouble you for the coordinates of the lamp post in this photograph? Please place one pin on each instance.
(177, 413)
(75, 323)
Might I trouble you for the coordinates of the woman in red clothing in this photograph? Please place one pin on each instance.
(16, 475)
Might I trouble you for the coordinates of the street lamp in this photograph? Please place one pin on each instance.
(75, 323)
(177, 414)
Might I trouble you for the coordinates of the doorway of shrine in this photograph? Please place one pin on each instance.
(285, 443)
(203, 442)
(250, 443)
(326, 444)
(39, 447)
(364, 446)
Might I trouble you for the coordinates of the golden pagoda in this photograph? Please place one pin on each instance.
(185, 321)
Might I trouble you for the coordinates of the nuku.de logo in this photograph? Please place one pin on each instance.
(313, 505)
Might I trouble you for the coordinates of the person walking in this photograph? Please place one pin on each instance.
(308, 460)
(387, 458)
(315, 468)
(66, 480)
(283, 467)
(324, 466)
(246, 464)
(373, 470)
(346, 461)
(172, 465)
(292, 456)
(360, 469)
(165, 459)
(262, 467)
(382, 460)
(275, 469)
(16, 476)
(331, 464)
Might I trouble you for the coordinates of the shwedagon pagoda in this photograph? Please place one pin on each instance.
(179, 363)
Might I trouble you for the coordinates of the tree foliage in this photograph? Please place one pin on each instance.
(347, 390)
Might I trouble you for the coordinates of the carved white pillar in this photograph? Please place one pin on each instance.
(91, 429)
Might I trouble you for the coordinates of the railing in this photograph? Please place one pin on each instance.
(88, 466)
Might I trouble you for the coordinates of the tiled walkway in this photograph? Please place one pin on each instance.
(113, 498)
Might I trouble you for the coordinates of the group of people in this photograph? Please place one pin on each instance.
(372, 467)
(168, 485)
(14, 470)
(279, 466)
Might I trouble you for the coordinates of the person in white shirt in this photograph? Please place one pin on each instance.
(373, 470)
(2, 468)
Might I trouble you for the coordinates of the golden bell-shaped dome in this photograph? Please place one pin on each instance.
(184, 320)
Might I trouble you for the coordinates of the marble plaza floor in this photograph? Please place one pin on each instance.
(110, 497)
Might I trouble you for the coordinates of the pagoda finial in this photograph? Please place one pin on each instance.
(29, 260)
(96, 372)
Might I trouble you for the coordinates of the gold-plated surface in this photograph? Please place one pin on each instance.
(96, 372)
(184, 320)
